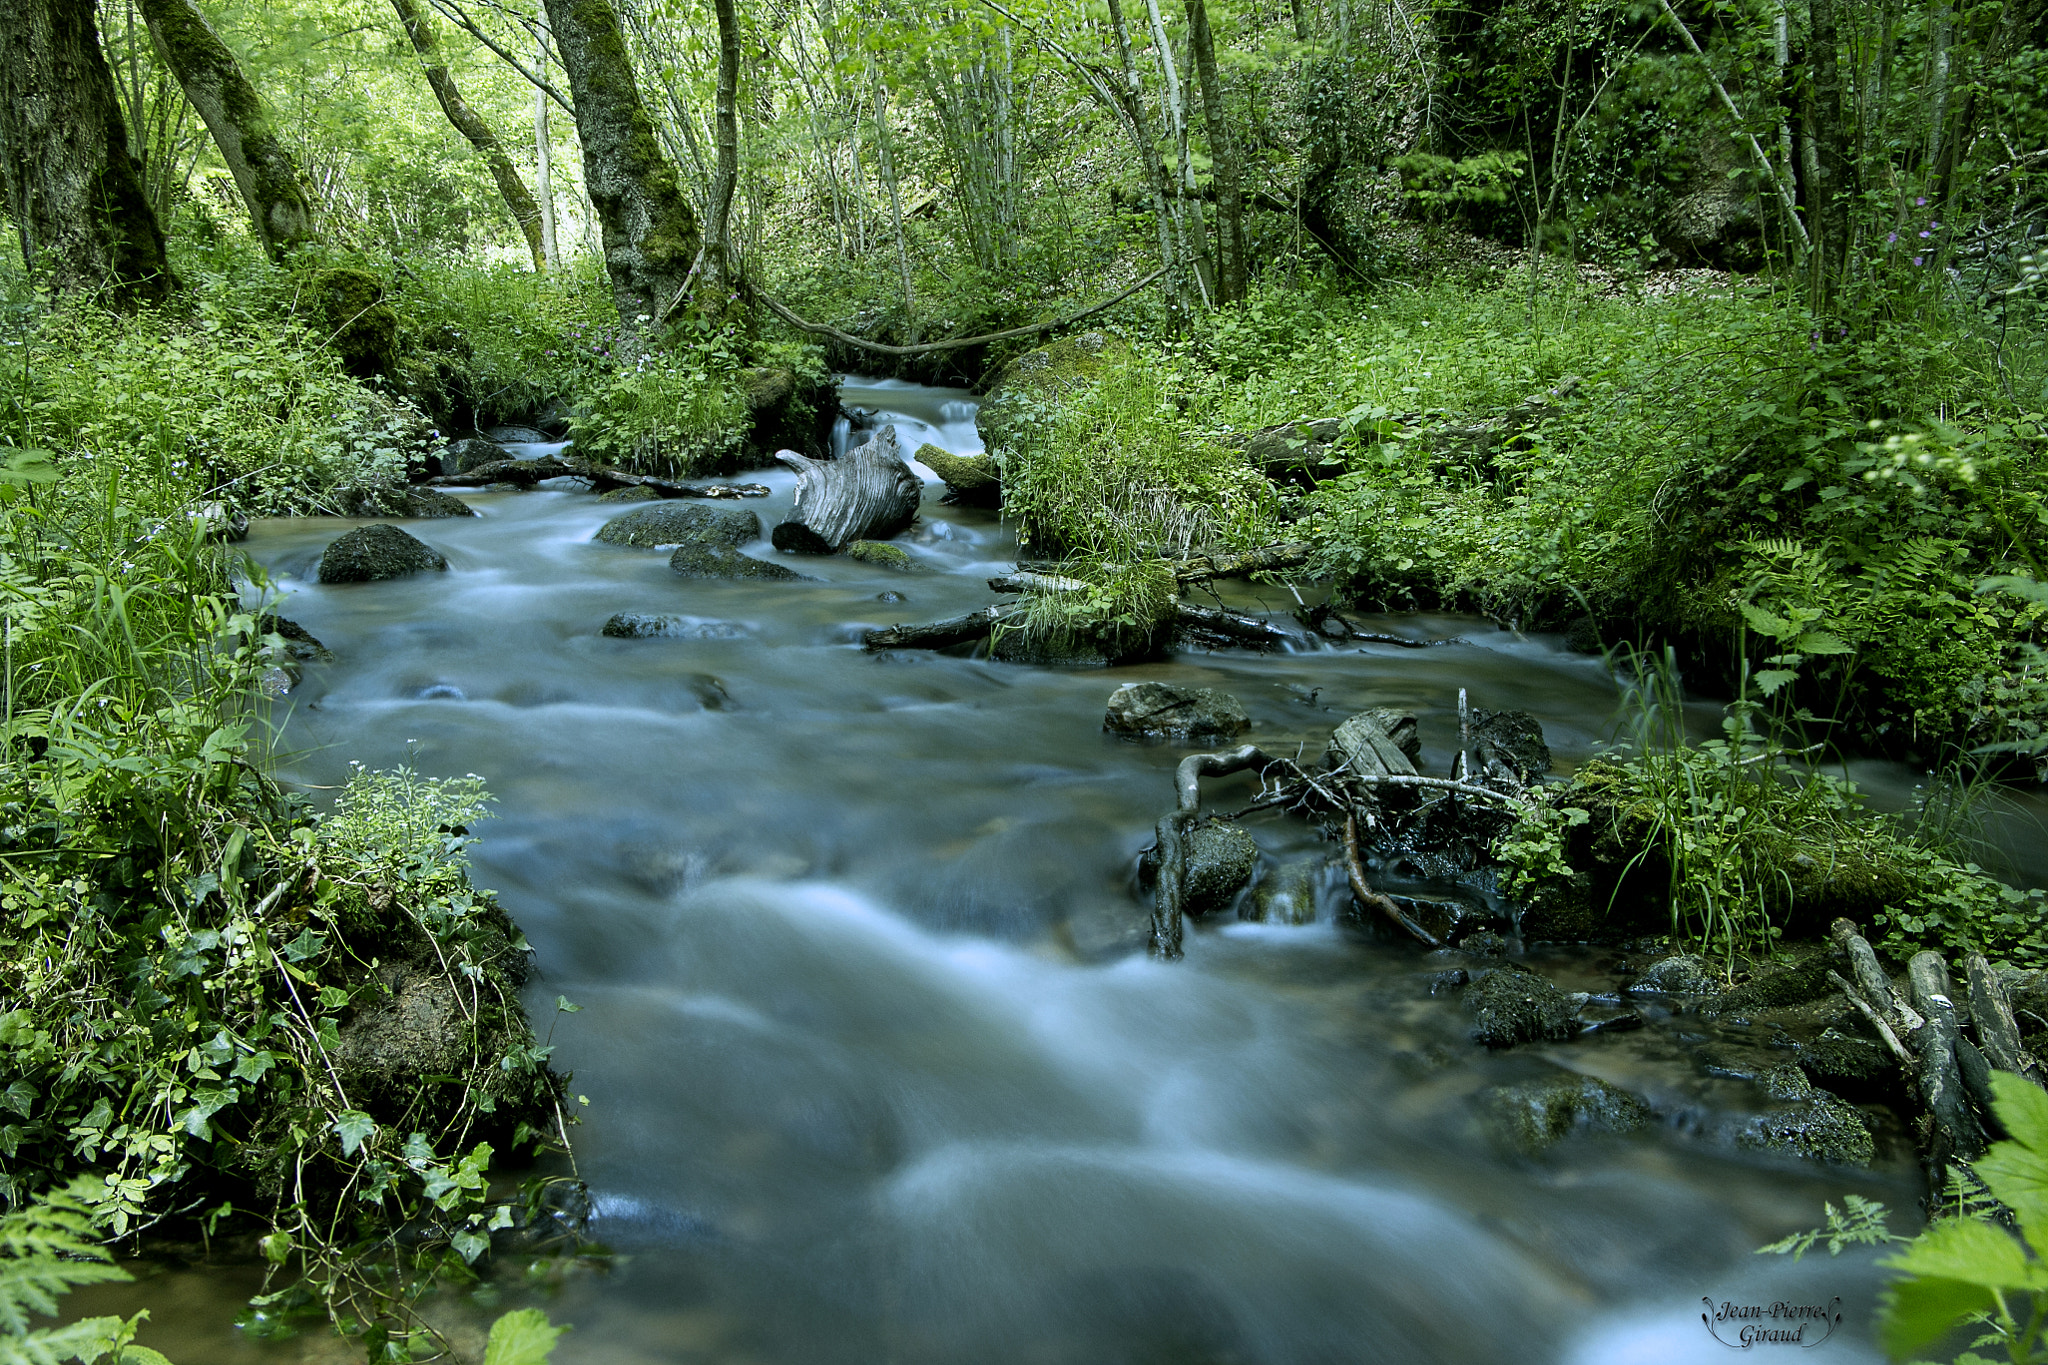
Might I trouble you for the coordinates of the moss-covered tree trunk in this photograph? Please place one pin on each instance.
(650, 232)
(426, 42)
(213, 81)
(74, 194)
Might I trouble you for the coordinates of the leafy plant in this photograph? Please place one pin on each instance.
(46, 1251)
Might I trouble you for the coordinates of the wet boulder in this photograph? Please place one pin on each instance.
(1154, 710)
(1512, 1005)
(471, 452)
(1776, 986)
(298, 643)
(679, 523)
(638, 492)
(371, 554)
(1848, 1065)
(710, 549)
(516, 435)
(1539, 1114)
(1507, 746)
(400, 500)
(1813, 1124)
(1221, 859)
(1679, 974)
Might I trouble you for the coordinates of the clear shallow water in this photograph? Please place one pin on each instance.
(876, 1072)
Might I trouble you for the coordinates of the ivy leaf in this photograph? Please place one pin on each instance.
(307, 944)
(332, 997)
(522, 1337)
(470, 1245)
(253, 1066)
(354, 1128)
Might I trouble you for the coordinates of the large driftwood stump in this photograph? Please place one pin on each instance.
(867, 494)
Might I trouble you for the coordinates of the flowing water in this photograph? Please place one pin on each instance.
(876, 1068)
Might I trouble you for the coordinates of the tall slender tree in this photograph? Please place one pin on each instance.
(73, 191)
(240, 123)
(419, 27)
(1222, 157)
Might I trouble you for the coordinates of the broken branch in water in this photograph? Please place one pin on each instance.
(1354, 871)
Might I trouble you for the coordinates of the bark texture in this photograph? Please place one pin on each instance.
(651, 237)
(870, 494)
(1231, 277)
(234, 113)
(419, 27)
(73, 192)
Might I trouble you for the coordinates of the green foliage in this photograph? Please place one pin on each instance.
(677, 411)
(1433, 182)
(1114, 470)
(46, 1251)
(1751, 841)
(184, 949)
(1121, 609)
(1980, 1269)
(522, 1337)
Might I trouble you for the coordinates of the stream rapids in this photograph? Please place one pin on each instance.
(877, 1069)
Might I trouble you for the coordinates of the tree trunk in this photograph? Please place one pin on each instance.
(715, 282)
(525, 212)
(888, 167)
(1231, 281)
(213, 81)
(1171, 254)
(650, 232)
(1187, 202)
(867, 494)
(1825, 126)
(74, 193)
(543, 169)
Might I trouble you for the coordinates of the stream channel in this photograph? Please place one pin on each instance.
(877, 1068)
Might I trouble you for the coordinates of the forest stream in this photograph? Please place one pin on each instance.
(877, 1068)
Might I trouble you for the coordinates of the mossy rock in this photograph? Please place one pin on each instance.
(401, 500)
(1778, 985)
(882, 554)
(971, 480)
(1156, 710)
(1037, 377)
(676, 523)
(1512, 1005)
(472, 452)
(787, 410)
(1815, 1124)
(1221, 859)
(638, 492)
(360, 326)
(371, 554)
(1537, 1115)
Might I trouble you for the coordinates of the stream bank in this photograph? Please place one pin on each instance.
(876, 1066)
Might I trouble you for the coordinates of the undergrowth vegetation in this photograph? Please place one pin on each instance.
(232, 1012)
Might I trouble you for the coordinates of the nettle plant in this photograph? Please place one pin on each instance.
(1982, 1268)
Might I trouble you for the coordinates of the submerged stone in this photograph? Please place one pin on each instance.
(680, 523)
(370, 554)
(1539, 1114)
(632, 625)
(1288, 896)
(881, 554)
(1154, 710)
(400, 500)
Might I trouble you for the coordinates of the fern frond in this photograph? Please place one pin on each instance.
(46, 1251)
(85, 1341)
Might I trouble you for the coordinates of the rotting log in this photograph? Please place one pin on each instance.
(1286, 554)
(954, 630)
(1169, 884)
(1216, 625)
(1944, 1090)
(1998, 1031)
(601, 478)
(867, 494)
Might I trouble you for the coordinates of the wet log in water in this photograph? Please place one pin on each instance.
(954, 630)
(867, 494)
(601, 478)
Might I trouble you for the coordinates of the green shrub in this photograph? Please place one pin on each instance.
(682, 410)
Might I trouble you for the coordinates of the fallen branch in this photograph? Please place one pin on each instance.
(601, 478)
(1877, 1021)
(1230, 625)
(955, 630)
(956, 343)
(1287, 554)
